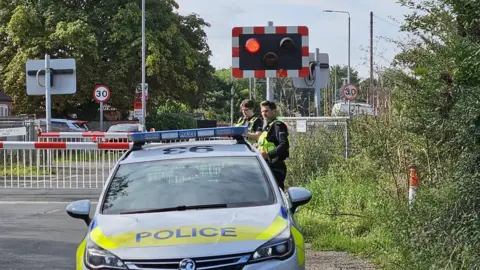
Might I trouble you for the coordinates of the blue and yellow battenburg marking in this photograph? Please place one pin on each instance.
(299, 243)
(82, 246)
(188, 235)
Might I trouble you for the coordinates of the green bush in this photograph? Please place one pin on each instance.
(170, 121)
(349, 209)
(312, 152)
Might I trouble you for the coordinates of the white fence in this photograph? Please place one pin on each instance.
(329, 130)
(57, 164)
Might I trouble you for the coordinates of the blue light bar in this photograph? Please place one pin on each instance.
(158, 136)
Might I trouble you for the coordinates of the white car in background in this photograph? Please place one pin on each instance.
(356, 108)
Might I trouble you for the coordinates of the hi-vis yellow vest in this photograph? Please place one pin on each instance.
(263, 144)
(241, 122)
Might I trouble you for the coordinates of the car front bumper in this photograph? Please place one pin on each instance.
(292, 263)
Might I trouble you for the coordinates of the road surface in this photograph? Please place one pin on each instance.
(36, 231)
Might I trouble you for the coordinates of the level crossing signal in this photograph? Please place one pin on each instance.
(270, 51)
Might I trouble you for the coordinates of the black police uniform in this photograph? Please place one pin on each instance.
(278, 135)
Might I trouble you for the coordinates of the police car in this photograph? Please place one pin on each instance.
(204, 203)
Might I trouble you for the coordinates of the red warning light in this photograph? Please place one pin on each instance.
(252, 45)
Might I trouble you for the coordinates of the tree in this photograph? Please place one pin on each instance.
(218, 99)
(337, 73)
(436, 100)
(216, 102)
(105, 39)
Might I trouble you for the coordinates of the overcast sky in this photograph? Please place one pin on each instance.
(328, 31)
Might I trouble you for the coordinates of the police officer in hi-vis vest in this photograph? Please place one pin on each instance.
(255, 124)
(274, 143)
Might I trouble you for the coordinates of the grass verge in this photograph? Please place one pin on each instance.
(23, 171)
(349, 211)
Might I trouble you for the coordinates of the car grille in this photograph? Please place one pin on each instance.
(230, 262)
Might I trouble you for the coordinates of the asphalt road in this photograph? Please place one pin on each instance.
(38, 236)
(36, 232)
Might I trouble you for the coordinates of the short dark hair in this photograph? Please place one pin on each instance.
(248, 103)
(270, 104)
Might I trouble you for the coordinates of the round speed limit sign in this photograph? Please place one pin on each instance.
(350, 91)
(101, 93)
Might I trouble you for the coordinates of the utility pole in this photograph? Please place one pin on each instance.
(348, 74)
(144, 102)
(371, 59)
(250, 88)
(254, 88)
(335, 84)
(270, 87)
(232, 100)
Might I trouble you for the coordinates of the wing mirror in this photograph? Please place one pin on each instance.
(298, 196)
(80, 209)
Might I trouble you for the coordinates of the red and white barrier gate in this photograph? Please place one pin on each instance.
(60, 164)
(66, 145)
(84, 165)
(90, 136)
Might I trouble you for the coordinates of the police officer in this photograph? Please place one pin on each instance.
(255, 124)
(274, 143)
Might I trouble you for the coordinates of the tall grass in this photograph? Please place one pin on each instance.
(355, 201)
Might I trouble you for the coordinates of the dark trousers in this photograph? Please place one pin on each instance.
(279, 171)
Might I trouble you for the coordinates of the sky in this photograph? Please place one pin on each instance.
(328, 31)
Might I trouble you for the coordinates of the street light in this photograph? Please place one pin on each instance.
(144, 109)
(340, 11)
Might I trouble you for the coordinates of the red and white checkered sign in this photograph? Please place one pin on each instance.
(238, 73)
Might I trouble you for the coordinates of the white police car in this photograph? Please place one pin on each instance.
(192, 205)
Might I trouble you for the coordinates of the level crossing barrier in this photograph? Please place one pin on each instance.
(83, 165)
(67, 165)
(84, 160)
(89, 136)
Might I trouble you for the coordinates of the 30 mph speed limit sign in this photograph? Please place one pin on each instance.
(101, 93)
(350, 91)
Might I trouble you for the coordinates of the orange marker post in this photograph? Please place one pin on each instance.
(412, 190)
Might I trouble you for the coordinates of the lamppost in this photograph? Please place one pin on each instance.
(340, 11)
(144, 109)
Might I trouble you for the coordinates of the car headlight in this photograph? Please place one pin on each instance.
(99, 258)
(281, 247)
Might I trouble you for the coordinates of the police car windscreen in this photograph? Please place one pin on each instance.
(235, 181)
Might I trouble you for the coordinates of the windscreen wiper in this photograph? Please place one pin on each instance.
(176, 208)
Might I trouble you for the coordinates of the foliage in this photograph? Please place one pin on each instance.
(170, 121)
(338, 73)
(216, 102)
(312, 152)
(105, 39)
(173, 106)
(430, 121)
(348, 209)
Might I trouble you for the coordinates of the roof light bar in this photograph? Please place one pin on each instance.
(158, 136)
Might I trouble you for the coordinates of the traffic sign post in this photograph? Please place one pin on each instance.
(101, 93)
(349, 92)
(59, 79)
(137, 109)
(138, 91)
